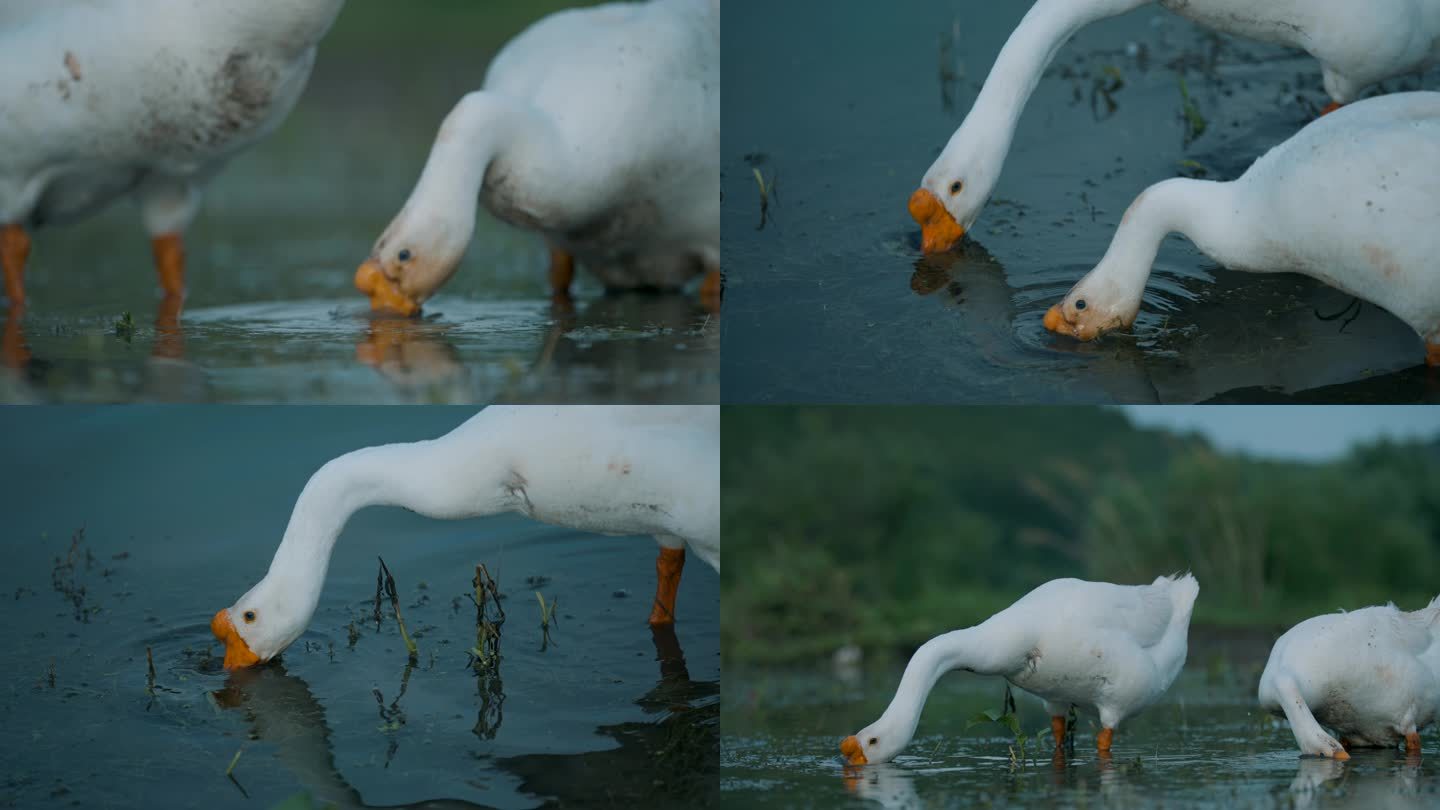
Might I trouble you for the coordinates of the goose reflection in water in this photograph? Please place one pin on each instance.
(673, 759)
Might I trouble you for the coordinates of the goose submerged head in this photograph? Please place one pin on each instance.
(256, 628)
(1094, 306)
(411, 260)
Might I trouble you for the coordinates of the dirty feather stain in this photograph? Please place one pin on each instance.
(73, 65)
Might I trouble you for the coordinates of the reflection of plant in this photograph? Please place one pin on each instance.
(492, 706)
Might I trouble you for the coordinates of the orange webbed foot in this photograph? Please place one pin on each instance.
(1331, 107)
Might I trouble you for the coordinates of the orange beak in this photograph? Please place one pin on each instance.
(938, 229)
(237, 652)
(1055, 320)
(850, 749)
(384, 294)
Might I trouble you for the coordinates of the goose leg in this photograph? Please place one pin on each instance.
(1103, 740)
(14, 250)
(1057, 730)
(169, 253)
(1412, 742)
(1432, 352)
(1331, 107)
(710, 290)
(668, 566)
(562, 274)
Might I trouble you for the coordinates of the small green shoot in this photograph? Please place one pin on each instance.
(1006, 716)
(233, 760)
(547, 618)
(125, 327)
(1194, 122)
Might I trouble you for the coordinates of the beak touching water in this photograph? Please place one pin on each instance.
(850, 749)
(237, 652)
(938, 229)
(384, 293)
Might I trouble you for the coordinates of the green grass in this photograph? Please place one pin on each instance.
(386, 28)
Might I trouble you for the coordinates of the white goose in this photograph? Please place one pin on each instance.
(1111, 649)
(1350, 200)
(99, 101)
(1357, 44)
(1370, 675)
(599, 128)
(641, 470)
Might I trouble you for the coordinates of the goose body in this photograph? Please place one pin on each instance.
(598, 128)
(1351, 200)
(1372, 676)
(99, 102)
(1357, 45)
(631, 470)
(1108, 649)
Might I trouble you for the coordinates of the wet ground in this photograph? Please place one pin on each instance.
(126, 529)
(827, 296)
(272, 313)
(1203, 745)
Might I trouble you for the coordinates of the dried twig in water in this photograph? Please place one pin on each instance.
(150, 674)
(379, 587)
(485, 655)
(395, 605)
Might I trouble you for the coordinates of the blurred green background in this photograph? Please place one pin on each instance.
(882, 527)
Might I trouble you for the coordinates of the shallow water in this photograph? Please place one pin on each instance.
(272, 313)
(1203, 745)
(842, 113)
(181, 509)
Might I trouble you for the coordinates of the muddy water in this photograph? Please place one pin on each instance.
(181, 509)
(842, 113)
(272, 314)
(1204, 745)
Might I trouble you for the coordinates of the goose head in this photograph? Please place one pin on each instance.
(415, 255)
(954, 191)
(873, 744)
(1095, 305)
(259, 626)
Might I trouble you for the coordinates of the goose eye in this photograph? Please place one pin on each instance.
(404, 255)
(1080, 304)
(249, 617)
(873, 740)
(956, 186)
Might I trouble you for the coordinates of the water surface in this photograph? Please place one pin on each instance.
(828, 298)
(126, 529)
(1203, 745)
(272, 313)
